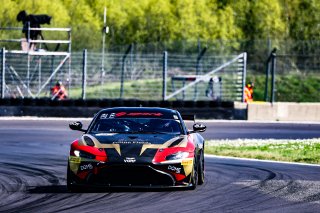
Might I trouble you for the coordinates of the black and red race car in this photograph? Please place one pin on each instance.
(137, 147)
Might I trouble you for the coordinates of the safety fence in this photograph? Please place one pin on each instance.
(135, 74)
(290, 71)
(126, 75)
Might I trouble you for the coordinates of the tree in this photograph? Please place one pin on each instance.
(260, 19)
(303, 18)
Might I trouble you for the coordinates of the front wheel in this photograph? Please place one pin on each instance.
(194, 177)
(201, 169)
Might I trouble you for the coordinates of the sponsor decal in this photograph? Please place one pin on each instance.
(137, 114)
(129, 160)
(131, 142)
(74, 159)
(186, 162)
(174, 169)
(106, 116)
(86, 167)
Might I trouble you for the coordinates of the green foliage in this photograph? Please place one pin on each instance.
(165, 21)
(303, 18)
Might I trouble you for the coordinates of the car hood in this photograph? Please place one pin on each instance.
(135, 148)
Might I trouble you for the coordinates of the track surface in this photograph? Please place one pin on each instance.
(33, 158)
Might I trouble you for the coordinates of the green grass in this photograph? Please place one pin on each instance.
(131, 89)
(304, 151)
(289, 88)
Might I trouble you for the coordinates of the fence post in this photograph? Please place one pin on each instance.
(270, 59)
(244, 74)
(84, 74)
(123, 68)
(273, 77)
(267, 82)
(164, 75)
(3, 73)
(197, 70)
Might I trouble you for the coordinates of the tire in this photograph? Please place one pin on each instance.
(194, 177)
(201, 169)
(71, 187)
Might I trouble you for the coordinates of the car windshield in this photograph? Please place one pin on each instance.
(136, 125)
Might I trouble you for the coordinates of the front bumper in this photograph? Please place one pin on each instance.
(128, 175)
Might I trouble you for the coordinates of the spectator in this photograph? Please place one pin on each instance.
(248, 92)
(59, 92)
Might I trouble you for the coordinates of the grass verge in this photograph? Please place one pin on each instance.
(303, 151)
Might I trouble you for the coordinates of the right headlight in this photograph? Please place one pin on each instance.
(83, 154)
(88, 141)
(178, 156)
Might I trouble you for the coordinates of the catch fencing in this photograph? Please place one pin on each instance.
(125, 75)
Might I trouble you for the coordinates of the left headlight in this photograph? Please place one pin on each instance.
(178, 156)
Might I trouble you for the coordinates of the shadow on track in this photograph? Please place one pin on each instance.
(60, 189)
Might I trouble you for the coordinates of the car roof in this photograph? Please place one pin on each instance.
(141, 109)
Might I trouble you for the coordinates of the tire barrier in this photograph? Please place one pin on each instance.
(86, 108)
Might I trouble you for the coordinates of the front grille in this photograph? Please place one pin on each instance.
(135, 175)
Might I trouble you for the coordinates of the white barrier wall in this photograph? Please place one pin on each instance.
(284, 111)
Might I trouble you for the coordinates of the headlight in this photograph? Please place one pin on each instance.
(76, 153)
(83, 154)
(88, 141)
(177, 156)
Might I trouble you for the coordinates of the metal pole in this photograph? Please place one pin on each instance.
(28, 37)
(39, 70)
(266, 88)
(84, 74)
(244, 74)
(104, 31)
(131, 58)
(69, 63)
(28, 74)
(123, 69)
(164, 75)
(39, 74)
(28, 62)
(197, 70)
(273, 77)
(267, 82)
(3, 72)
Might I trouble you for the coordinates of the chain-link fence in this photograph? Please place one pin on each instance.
(125, 75)
(137, 71)
(146, 76)
(32, 75)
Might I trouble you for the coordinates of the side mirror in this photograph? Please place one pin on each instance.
(199, 127)
(76, 126)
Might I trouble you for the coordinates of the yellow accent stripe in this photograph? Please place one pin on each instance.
(188, 168)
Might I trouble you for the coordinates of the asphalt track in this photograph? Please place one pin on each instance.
(33, 159)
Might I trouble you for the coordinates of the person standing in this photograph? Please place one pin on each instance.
(248, 92)
(59, 92)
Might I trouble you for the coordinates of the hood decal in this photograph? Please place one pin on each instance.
(183, 143)
(100, 145)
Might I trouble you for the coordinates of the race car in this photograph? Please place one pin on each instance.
(136, 147)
